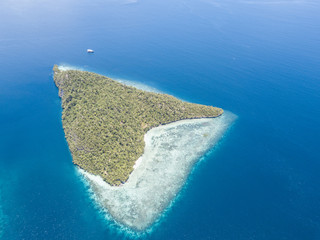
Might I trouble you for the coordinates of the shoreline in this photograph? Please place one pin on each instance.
(105, 121)
(131, 83)
(171, 152)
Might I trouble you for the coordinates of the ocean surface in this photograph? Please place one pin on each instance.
(259, 59)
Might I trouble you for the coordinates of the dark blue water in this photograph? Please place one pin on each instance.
(259, 59)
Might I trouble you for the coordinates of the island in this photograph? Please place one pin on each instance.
(105, 121)
(134, 148)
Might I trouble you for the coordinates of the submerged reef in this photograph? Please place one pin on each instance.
(2, 220)
(105, 121)
(170, 152)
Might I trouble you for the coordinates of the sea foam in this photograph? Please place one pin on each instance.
(170, 152)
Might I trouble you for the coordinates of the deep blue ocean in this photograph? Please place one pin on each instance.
(259, 59)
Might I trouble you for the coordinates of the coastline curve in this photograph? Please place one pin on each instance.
(170, 153)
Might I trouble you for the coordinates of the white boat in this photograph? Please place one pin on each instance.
(90, 51)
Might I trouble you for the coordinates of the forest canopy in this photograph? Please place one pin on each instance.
(105, 121)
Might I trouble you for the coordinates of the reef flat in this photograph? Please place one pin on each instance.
(105, 121)
(170, 152)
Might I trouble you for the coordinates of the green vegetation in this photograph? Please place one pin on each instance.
(105, 121)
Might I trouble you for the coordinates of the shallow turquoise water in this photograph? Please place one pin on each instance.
(260, 60)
